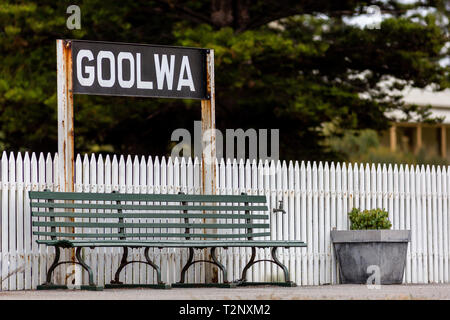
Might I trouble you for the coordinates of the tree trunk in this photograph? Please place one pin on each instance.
(230, 13)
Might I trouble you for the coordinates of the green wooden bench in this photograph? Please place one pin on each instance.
(79, 220)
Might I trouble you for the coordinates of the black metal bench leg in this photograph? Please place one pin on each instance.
(116, 283)
(48, 285)
(82, 263)
(187, 265)
(154, 266)
(214, 261)
(248, 265)
(221, 266)
(282, 266)
(85, 266)
(123, 263)
(275, 260)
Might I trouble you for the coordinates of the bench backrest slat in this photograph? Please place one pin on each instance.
(148, 215)
(86, 196)
(122, 225)
(59, 215)
(144, 207)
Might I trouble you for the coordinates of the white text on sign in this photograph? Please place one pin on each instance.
(164, 67)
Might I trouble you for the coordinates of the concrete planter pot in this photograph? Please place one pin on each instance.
(356, 250)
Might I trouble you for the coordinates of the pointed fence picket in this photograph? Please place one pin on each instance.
(316, 197)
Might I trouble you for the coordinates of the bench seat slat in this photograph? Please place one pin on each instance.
(148, 215)
(150, 225)
(151, 235)
(145, 207)
(183, 243)
(145, 197)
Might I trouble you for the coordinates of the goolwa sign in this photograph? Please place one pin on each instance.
(125, 69)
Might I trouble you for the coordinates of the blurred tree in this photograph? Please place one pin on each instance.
(293, 65)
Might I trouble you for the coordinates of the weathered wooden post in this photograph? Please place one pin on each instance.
(65, 122)
(209, 151)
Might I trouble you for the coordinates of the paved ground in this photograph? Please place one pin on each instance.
(334, 292)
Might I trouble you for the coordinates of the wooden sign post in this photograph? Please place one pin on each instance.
(128, 69)
(66, 154)
(209, 152)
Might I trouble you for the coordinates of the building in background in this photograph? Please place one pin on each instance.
(413, 137)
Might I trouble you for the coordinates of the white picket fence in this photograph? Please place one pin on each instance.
(316, 197)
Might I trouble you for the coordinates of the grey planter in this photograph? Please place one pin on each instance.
(356, 250)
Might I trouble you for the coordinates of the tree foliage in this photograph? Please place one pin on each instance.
(293, 65)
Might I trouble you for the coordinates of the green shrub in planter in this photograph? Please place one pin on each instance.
(369, 219)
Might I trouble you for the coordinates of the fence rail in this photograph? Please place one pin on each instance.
(316, 197)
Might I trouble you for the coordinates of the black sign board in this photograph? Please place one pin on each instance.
(123, 69)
